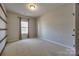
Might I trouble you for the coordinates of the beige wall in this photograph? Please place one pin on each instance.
(13, 27)
(32, 28)
(58, 25)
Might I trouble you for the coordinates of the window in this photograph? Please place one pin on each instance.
(24, 27)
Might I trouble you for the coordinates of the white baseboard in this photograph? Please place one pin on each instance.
(59, 44)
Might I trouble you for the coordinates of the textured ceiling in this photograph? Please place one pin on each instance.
(21, 8)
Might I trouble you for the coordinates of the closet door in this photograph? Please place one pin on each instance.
(3, 29)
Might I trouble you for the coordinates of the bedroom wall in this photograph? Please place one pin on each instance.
(57, 25)
(32, 28)
(13, 27)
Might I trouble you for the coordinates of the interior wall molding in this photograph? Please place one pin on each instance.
(66, 46)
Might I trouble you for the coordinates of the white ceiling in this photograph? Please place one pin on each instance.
(21, 8)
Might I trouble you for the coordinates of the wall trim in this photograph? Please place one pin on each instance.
(66, 46)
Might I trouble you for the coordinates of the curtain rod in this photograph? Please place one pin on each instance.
(20, 17)
(25, 17)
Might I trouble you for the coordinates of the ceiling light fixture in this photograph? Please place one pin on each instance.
(32, 6)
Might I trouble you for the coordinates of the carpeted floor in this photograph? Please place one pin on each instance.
(36, 47)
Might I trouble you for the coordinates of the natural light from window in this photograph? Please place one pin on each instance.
(24, 27)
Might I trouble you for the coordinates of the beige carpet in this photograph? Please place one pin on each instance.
(36, 47)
